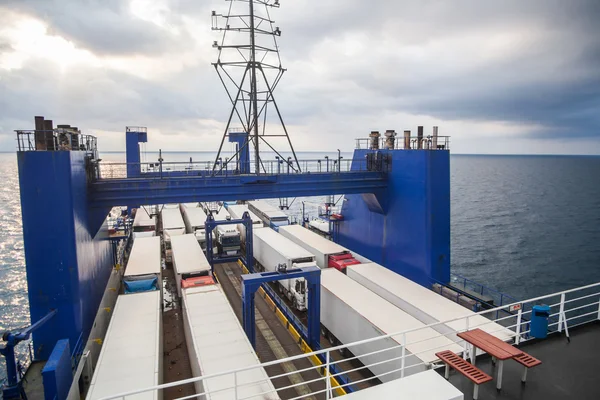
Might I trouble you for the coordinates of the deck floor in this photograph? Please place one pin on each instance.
(569, 370)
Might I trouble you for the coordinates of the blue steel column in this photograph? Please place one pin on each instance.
(132, 154)
(248, 290)
(314, 309)
(209, 225)
(68, 265)
(410, 233)
(241, 138)
(249, 261)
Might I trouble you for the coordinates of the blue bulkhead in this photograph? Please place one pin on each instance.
(406, 228)
(68, 265)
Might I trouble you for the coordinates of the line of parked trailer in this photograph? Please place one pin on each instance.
(359, 300)
(131, 356)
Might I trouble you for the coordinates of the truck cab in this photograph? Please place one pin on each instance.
(341, 261)
(228, 240)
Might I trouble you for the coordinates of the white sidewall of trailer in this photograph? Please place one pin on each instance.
(349, 326)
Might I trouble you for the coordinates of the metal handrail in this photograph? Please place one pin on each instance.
(60, 139)
(160, 169)
(400, 142)
(563, 325)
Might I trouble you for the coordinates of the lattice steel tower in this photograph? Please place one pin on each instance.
(250, 72)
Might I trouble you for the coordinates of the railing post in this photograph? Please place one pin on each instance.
(519, 316)
(235, 385)
(466, 346)
(328, 394)
(403, 355)
(599, 309)
(561, 312)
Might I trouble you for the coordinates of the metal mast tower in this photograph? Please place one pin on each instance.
(250, 72)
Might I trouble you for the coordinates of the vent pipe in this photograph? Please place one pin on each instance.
(406, 140)
(390, 139)
(374, 136)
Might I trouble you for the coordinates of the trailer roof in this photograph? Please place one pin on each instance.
(426, 300)
(220, 344)
(237, 212)
(130, 357)
(144, 258)
(388, 318)
(281, 244)
(188, 256)
(143, 219)
(313, 240)
(222, 215)
(171, 218)
(269, 210)
(196, 216)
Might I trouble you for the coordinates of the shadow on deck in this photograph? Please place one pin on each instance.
(569, 370)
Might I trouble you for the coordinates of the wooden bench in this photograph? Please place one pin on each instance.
(527, 362)
(470, 371)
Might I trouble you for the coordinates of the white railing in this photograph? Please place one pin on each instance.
(582, 308)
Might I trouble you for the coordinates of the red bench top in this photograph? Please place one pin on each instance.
(490, 344)
(473, 373)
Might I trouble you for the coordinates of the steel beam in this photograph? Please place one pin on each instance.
(153, 190)
(251, 283)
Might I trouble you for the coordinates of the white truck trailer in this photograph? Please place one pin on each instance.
(131, 356)
(422, 303)
(172, 225)
(144, 225)
(328, 254)
(271, 250)
(351, 313)
(270, 215)
(189, 260)
(143, 271)
(237, 212)
(194, 219)
(216, 343)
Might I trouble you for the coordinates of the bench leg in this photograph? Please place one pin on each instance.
(473, 354)
(524, 376)
(447, 374)
(475, 392)
(493, 360)
(499, 378)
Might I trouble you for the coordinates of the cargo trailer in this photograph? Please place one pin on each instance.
(271, 216)
(328, 254)
(217, 343)
(189, 260)
(194, 219)
(273, 251)
(144, 267)
(422, 303)
(351, 313)
(172, 225)
(144, 225)
(237, 212)
(131, 355)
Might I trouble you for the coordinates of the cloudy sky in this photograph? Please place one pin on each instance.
(497, 76)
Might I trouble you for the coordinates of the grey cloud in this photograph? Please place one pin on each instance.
(553, 83)
(101, 26)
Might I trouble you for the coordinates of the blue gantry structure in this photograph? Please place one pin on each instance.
(396, 211)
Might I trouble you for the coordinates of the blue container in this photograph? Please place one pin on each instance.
(539, 321)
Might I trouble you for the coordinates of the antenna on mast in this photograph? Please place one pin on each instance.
(250, 72)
